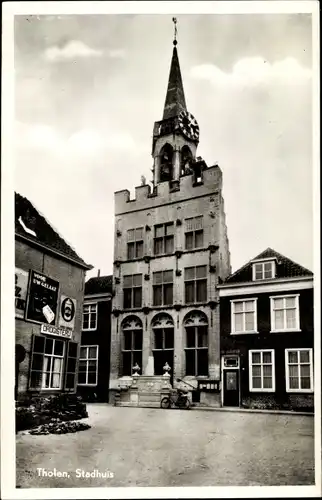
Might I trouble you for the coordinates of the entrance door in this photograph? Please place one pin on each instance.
(231, 388)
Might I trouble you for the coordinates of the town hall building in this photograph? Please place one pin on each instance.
(171, 251)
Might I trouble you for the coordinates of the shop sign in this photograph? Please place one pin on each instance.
(58, 331)
(208, 385)
(67, 312)
(21, 287)
(42, 299)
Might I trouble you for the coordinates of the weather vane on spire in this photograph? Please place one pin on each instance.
(174, 19)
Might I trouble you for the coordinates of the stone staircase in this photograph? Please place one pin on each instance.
(145, 391)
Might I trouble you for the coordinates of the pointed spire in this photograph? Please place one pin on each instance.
(175, 101)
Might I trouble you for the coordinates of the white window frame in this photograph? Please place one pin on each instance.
(256, 389)
(51, 356)
(232, 316)
(89, 322)
(297, 313)
(287, 372)
(89, 359)
(272, 262)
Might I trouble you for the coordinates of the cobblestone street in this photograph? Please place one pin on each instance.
(154, 447)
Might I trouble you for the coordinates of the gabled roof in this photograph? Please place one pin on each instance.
(285, 268)
(30, 224)
(175, 100)
(99, 284)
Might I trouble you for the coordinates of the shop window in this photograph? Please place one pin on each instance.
(47, 363)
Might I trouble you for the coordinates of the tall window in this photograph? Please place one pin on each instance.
(90, 317)
(263, 270)
(195, 279)
(194, 232)
(244, 316)
(164, 238)
(166, 167)
(135, 243)
(285, 313)
(47, 363)
(299, 370)
(186, 160)
(163, 342)
(163, 288)
(132, 291)
(132, 344)
(88, 364)
(196, 327)
(261, 371)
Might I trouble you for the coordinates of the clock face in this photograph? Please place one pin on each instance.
(188, 125)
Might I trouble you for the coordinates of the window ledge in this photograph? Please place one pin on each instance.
(261, 390)
(87, 385)
(290, 330)
(300, 391)
(89, 329)
(253, 332)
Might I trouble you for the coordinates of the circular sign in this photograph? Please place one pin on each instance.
(68, 310)
(20, 353)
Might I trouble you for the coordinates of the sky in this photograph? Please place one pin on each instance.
(88, 89)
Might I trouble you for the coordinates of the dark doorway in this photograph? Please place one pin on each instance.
(160, 359)
(231, 388)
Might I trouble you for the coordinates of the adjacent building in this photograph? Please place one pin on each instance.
(94, 359)
(49, 291)
(170, 252)
(266, 327)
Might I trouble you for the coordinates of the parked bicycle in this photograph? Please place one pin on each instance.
(178, 398)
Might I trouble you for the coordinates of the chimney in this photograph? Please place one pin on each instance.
(98, 273)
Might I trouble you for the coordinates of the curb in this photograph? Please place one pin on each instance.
(228, 409)
(249, 410)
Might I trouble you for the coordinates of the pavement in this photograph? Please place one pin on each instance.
(155, 447)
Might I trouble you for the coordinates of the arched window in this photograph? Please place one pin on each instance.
(196, 328)
(132, 339)
(163, 342)
(185, 161)
(166, 163)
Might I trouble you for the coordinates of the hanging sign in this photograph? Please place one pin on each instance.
(67, 312)
(42, 299)
(59, 331)
(21, 286)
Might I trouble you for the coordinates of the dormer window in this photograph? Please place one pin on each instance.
(264, 270)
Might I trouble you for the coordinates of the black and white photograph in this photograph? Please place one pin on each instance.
(161, 174)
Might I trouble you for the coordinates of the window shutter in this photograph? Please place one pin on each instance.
(71, 364)
(36, 361)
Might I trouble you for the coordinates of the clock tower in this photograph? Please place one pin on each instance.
(176, 136)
